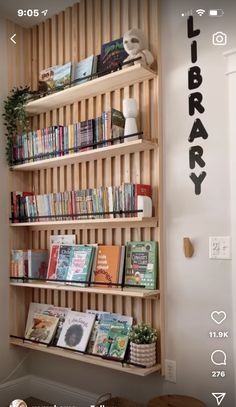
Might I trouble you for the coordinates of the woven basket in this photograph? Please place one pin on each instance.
(106, 400)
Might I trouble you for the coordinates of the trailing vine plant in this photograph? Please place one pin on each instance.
(15, 117)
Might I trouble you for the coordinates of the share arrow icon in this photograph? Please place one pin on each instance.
(219, 397)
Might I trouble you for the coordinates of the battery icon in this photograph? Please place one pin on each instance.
(216, 12)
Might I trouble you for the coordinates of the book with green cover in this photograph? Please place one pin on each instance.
(141, 264)
(118, 337)
(102, 343)
(80, 263)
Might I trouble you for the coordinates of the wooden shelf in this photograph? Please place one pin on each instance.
(127, 292)
(98, 153)
(87, 358)
(91, 223)
(98, 86)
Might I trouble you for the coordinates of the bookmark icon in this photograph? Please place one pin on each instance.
(219, 397)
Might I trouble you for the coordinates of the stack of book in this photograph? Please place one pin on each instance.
(92, 332)
(91, 203)
(56, 141)
(97, 265)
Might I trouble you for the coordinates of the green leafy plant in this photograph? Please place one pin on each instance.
(15, 117)
(143, 334)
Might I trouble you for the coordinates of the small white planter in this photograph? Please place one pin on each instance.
(143, 354)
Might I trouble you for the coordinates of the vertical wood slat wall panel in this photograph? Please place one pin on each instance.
(73, 35)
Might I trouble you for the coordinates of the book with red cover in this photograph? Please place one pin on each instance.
(52, 265)
(107, 265)
(143, 190)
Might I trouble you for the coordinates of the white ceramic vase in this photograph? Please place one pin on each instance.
(130, 112)
(143, 354)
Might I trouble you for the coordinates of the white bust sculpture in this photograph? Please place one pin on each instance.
(135, 44)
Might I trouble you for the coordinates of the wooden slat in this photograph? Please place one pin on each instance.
(73, 35)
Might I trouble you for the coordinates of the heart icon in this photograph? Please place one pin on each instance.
(218, 316)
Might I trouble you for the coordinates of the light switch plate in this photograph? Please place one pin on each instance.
(220, 247)
(170, 370)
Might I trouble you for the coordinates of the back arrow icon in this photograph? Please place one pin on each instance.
(12, 38)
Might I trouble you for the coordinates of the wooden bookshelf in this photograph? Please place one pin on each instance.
(126, 292)
(130, 162)
(125, 368)
(98, 153)
(90, 223)
(107, 83)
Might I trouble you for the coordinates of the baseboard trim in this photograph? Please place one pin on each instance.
(48, 390)
(60, 393)
(14, 389)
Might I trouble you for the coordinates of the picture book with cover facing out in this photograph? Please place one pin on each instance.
(38, 263)
(76, 330)
(42, 328)
(52, 264)
(50, 310)
(141, 264)
(63, 261)
(108, 265)
(81, 260)
(112, 55)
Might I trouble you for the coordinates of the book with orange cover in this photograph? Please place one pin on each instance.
(107, 265)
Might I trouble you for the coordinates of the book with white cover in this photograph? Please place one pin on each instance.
(42, 328)
(63, 239)
(76, 331)
(47, 309)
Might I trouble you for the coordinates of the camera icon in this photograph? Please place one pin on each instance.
(219, 38)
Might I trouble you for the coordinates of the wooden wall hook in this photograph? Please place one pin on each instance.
(188, 247)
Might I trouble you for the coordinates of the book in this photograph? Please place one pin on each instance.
(80, 264)
(118, 336)
(63, 262)
(56, 76)
(107, 265)
(17, 265)
(47, 76)
(141, 264)
(102, 344)
(61, 313)
(112, 55)
(63, 239)
(143, 190)
(52, 264)
(50, 310)
(42, 328)
(98, 317)
(76, 330)
(38, 263)
(84, 68)
(102, 341)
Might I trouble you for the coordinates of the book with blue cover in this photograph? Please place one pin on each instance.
(63, 262)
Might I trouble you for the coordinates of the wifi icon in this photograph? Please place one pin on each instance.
(200, 11)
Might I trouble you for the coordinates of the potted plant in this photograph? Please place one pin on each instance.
(143, 339)
(15, 117)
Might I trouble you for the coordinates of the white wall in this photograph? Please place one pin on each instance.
(9, 358)
(196, 286)
(231, 76)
